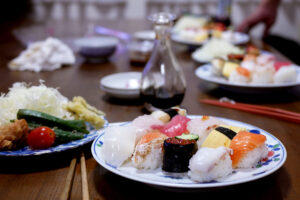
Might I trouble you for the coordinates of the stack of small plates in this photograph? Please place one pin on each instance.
(122, 85)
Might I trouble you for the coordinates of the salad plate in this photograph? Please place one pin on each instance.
(276, 157)
(26, 151)
(204, 72)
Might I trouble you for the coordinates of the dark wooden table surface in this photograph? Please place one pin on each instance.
(43, 177)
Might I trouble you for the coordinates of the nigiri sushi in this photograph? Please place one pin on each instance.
(203, 126)
(248, 149)
(143, 124)
(175, 127)
(118, 144)
(210, 164)
(221, 136)
(148, 151)
(166, 115)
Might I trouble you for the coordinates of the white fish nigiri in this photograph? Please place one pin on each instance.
(143, 124)
(118, 144)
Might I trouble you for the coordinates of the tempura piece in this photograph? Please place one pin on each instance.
(82, 110)
(13, 135)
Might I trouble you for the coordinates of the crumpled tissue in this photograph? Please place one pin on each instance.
(46, 55)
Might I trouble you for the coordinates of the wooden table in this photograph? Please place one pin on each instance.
(43, 177)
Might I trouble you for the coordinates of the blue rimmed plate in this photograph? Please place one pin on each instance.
(26, 151)
(204, 72)
(276, 158)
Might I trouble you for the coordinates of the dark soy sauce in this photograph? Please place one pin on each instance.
(161, 98)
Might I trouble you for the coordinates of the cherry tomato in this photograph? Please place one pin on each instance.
(41, 138)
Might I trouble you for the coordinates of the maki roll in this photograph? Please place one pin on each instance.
(178, 151)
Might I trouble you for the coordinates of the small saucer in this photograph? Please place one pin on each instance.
(122, 85)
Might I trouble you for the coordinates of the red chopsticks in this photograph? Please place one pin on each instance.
(273, 112)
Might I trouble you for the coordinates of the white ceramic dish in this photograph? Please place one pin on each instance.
(122, 85)
(144, 35)
(158, 178)
(204, 72)
(236, 38)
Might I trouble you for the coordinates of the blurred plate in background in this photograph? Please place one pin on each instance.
(122, 85)
(204, 72)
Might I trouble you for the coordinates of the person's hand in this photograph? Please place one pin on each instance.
(265, 13)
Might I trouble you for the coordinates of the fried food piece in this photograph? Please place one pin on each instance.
(82, 110)
(13, 135)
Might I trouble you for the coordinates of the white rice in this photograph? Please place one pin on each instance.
(210, 164)
(235, 77)
(253, 157)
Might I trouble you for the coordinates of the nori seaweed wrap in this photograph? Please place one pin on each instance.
(177, 153)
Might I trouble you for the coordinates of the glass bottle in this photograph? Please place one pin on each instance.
(163, 83)
(223, 12)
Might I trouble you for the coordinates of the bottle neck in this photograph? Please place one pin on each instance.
(224, 9)
(162, 33)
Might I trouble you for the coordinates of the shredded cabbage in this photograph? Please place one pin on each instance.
(216, 48)
(39, 98)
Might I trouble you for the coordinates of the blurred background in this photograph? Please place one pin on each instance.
(287, 23)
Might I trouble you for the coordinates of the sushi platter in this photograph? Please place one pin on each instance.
(236, 38)
(204, 72)
(156, 176)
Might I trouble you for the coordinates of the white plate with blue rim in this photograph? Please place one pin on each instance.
(27, 151)
(276, 158)
(204, 72)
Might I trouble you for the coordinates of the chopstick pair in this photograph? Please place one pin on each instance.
(70, 177)
(263, 110)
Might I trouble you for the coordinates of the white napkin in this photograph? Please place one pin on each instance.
(45, 55)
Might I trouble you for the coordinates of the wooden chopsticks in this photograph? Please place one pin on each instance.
(263, 110)
(84, 183)
(69, 180)
(65, 195)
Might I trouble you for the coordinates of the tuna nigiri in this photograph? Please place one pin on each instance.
(248, 149)
(175, 127)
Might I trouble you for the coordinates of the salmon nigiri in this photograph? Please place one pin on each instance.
(248, 149)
